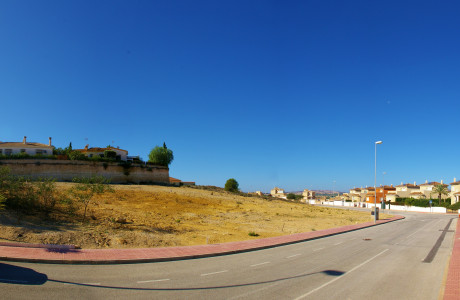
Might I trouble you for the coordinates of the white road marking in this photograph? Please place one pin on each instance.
(264, 263)
(293, 255)
(338, 243)
(206, 274)
(339, 277)
(155, 280)
(318, 249)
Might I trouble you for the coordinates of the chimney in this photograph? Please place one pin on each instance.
(442, 181)
(415, 183)
(391, 185)
(455, 179)
(24, 141)
(86, 147)
(49, 144)
(426, 180)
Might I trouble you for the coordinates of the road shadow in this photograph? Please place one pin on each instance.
(19, 275)
(326, 272)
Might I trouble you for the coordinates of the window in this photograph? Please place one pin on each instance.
(40, 152)
(1, 151)
(8, 151)
(23, 150)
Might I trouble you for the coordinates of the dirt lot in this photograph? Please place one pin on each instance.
(157, 216)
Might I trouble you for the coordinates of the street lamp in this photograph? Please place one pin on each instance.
(375, 183)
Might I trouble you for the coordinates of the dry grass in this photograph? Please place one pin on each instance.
(156, 216)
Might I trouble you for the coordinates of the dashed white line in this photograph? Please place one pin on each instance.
(318, 249)
(259, 264)
(293, 255)
(337, 278)
(206, 274)
(154, 280)
(338, 243)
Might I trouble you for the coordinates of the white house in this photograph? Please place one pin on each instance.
(31, 148)
(279, 193)
(96, 151)
(455, 191)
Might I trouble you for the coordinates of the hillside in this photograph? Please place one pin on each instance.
(157, 216)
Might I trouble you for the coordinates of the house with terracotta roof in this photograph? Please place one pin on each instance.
(97, 151)
(427, 189)
(178, 182)
(405, 190)
(455, 191)
(31, 148)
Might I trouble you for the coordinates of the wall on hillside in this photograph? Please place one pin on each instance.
(66, 170)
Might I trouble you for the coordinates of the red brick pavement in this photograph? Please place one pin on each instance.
(452, 288)
(66, 254)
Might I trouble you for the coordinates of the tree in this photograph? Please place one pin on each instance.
(231, 185)
(110, 154)
(440, 189)
(2, 201)
(86, 188)
(76, 155)
(161, 156)
(290, 196)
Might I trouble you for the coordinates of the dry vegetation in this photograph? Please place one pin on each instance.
(156, 216)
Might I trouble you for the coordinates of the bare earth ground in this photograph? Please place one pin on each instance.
(137, 216)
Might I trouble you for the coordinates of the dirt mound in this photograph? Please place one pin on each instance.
(159, 216)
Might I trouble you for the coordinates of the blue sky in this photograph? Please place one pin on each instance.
(272, 93)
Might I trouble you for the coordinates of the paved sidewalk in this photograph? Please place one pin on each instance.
(452, 288)
(68, 255)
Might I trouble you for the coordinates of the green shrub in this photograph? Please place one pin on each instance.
(291, 196)
(110, 154)
(455, 206)
(76, 155)
(252, 233)
(231, 185)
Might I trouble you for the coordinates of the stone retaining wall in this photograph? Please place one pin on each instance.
(66, 170)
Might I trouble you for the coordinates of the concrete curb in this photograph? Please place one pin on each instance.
(144, 255)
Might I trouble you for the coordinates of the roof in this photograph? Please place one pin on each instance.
(409, 185)
(171, 179)
(455, 183)
(417, 193)
(388, 188)
(97, 149)
(22, 145)
(433, 183)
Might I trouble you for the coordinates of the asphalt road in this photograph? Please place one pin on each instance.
(405, 259)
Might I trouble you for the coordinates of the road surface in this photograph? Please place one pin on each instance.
(405, 259)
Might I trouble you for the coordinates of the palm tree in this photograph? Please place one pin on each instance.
(440, 189)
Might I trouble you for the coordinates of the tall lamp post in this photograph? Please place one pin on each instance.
(375, 183)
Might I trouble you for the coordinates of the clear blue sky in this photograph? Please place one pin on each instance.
(272, 93)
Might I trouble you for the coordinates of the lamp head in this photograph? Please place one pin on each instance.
(378, 142)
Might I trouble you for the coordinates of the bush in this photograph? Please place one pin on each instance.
(231, 185)
(86, 188)
(76, 155)
(252, 233)
(291, 196)
(161, 156)
(110, 154)
(455, 206)
(420, 202)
